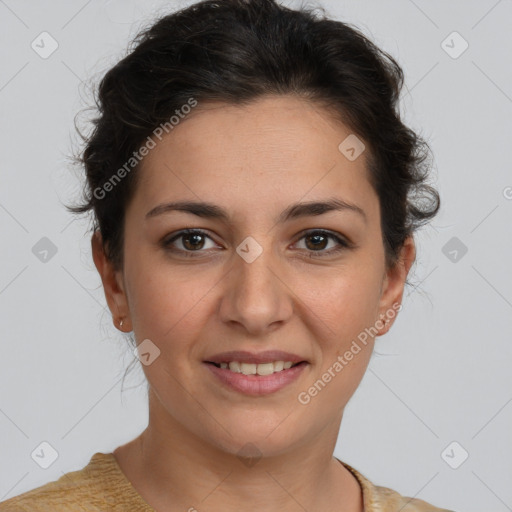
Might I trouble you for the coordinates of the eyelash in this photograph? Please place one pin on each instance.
(343, 244)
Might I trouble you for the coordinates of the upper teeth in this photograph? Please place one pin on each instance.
(259, 369)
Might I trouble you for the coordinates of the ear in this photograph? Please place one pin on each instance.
(113, 284)
(393, 286)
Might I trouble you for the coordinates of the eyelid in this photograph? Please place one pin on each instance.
(168, 240)
(327, 232)
(343, 242)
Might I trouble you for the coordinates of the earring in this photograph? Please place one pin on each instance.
(386, 322)
(121, 322)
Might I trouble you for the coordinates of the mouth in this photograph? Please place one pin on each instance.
(255, 374)
(256, 369)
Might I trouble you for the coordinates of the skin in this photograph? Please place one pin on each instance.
(253, 161)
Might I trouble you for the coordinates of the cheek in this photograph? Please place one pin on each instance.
(166, 300)
(344, 343)
(345, 300)
(344, 311)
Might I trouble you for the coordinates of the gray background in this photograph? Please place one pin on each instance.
(443, 372)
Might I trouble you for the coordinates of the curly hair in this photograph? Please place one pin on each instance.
(236, 51)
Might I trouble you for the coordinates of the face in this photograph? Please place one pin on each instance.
(259, 278)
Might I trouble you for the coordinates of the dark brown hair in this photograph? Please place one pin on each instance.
(236, 51)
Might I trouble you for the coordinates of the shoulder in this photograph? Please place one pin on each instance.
(392, 499)
(92, 488)
(382, 499)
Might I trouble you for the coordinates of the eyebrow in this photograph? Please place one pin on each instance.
(294, 211)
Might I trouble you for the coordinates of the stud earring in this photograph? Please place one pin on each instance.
(385, 321)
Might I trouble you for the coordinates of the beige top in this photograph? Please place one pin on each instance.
(102, 486)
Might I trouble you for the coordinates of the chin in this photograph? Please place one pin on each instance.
(252, 439)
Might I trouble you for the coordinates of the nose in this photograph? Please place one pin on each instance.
(256, 299)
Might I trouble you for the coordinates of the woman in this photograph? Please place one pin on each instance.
(255, 195)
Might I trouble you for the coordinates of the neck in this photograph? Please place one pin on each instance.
(173, 469)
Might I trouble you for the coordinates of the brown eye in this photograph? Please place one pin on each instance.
(317, 241)
(193, 241)
(188, 242)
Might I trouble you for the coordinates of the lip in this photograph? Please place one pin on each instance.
(243, 356)
(257, 385)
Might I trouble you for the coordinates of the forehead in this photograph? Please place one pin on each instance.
(275, 144)
(270, 129)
